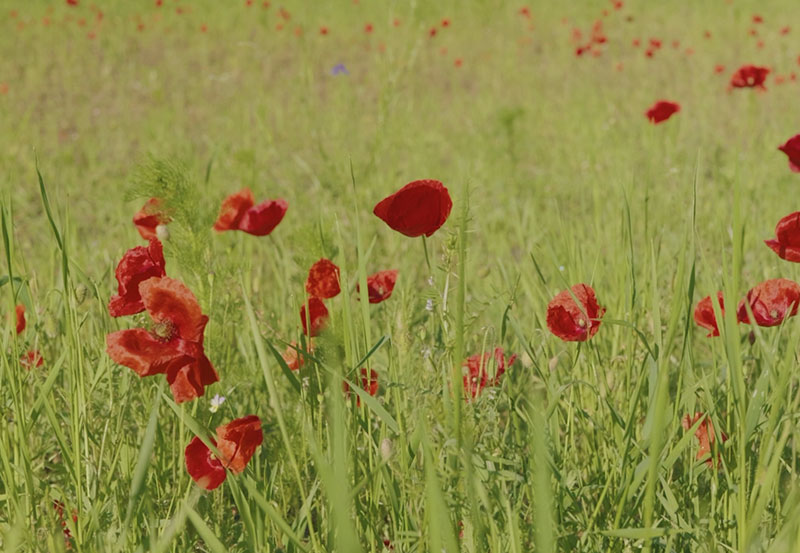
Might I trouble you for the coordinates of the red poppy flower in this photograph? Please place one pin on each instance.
(792, 149)
(705, 435)
(31, 359)
(369, 385)
(572, 322)
(655, 43)
(239, 213)
(719, 68)
(380, 285)
(236, 441)
(785, 30)
(771, 302)
(636, 42)
(137, 265)
(758, 19)
(704, 314)
(525, 11)
(445, 22)
(787, 241)
(149, 217)
(432, 32)
(662, 110)
(317, 317)
(174, 346)
(72, 2)
(750, 76)
(477, 375)
(294, 359)
(323, 31)
(420, 207)
(20, 312)
(323, 280)
(368, 28)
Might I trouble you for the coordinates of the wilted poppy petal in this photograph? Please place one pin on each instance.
(146, 354)
(662, 110)
(188, 381)
(238, 440)
(323, 280)
(317, 316)
(262, 219)
(571, 322)
(792, 150)
(420, 207)
(380, 285)
(205, 469)
(137, 265)
(704, 314)
(787, 242)
(149, 217)
(233, 210)
(20, 313)
(170, 303)
(771, 302)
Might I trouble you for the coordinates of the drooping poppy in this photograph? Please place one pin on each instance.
(705, 436)
(787, 238)
(704, 314)
(150, 217)
(238, 212)
(771, 302)
(572, 322)
(173, 346)
(323, 280)
(317, 317)
(137, 265)
(381, 285)
(662, 110)
(31, 359)
(420, 207)
(792, 150)
(477, 377)
(370, 385)
(750, 76)
(20, 313)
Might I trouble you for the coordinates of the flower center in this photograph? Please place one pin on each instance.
(581, 322)
(164, 330)
(774, 313)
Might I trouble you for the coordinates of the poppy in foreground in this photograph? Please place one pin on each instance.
(174, 344)
(238, 212)
(661, 111)
(572, 322)
(381, 285)
(750, 76)
(137, 265)
(420, 207)
(704, 314)
(705, 435)
(477, 375)
(31, 359)
(771, 302)
(20, 313)
(150, 217)
(792, 149)
(236, 441)
(787, 238)
(317, 317)
(323, 280)
(370, 385)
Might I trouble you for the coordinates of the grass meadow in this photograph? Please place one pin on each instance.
(556, 178)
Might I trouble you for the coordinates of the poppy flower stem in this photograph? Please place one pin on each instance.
(427, 257)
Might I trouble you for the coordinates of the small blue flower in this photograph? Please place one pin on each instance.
(338, 69)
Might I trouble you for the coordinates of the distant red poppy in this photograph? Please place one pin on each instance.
(753, 32)
(477, 377)
(368, 28)
(649, 52)
(618, 5)
(445, 22)
(785, 30)
(236, 442)
(704, 434)
(571, 322)
(757, 19)
(458, 62)
(750, 76)
(395, 22)
(137, 265)
(655, 43)
(432, 32)
(323, 30)
(72, 2)
(771, 302)
(380, 285)
(323, 280)
(420, 207)
(719, 69)
(662, 110)
(317, 317)
(787, 238)
(369, 385)
(31, 359)
(174, 346)
(704, 314)
(20, 313)
(149, 217)
(780, 79)
(294, 359)
(525, 11)
(707, 34)
(636, 42)
(792, 149)
(239, 213)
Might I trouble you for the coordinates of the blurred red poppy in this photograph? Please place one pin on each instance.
(757, 19)
(662, 110)
(750, 76)
(368, 28)
(572, 322)
(20, 313)
(705, 435)
(72, 2)
(236, 442)
(239, 213)
(420, 207)
(323, 280)
(771, 302)
(477, 375)
(787, 238)
(31, 359)
(149, 217)
(445, 22)
(792, 149)
(704, 314)
(317, 317)
(369, 385)
(719, 68)
(785, 30)
(174, 345)
(137, 265)
(380, 285)
(294, 359)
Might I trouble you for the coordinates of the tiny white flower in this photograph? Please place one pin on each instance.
(430, 280)
(216, 402)
(561, 268)
(429, 305)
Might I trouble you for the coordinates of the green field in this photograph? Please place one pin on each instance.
(556, 178)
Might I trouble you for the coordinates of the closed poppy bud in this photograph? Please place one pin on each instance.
(323, 280)
(704, 314)
(704, 434)
(787, 241)
(420, 207)
(238, 212)
(771, 302)
(380, 285)
(137, 265)
(150, 217)
(792, 150)
(572, 322)
(20, 313)
(317, 317)
(662, 110)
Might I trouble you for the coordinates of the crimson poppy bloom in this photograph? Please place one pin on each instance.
(174, 346)
(757, 19)
(317, 317)
(238, 212)
(787, 241)
(655, 43)
(477, 378)
(525, 11)
(432, 32)
(420, 207)
(323, 280)
(771, 302)
(380, 285)
(72, 2)
(704, 434)
(236, 442)
(31, 359)
(661, 111)
(20, 312)
(370, 385)
(704, 314)
(149, 217)
(792, 150)
(137, 265)
(368, 28)
(572, 322)
(445, 22)
(750, 76)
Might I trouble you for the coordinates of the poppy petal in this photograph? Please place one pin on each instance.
(238, 440)
(771, 302)
(263, 218)
(204, 468)
(323, 280)
(137, 265)
(20, 313)
(792, 150)
(169, 301)
(317, 317)
(571, 322)
(419, 208)
(233, 210)
(381, 285)
(139, 350)
(704, 314)
(188, 381)
(149, 217)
